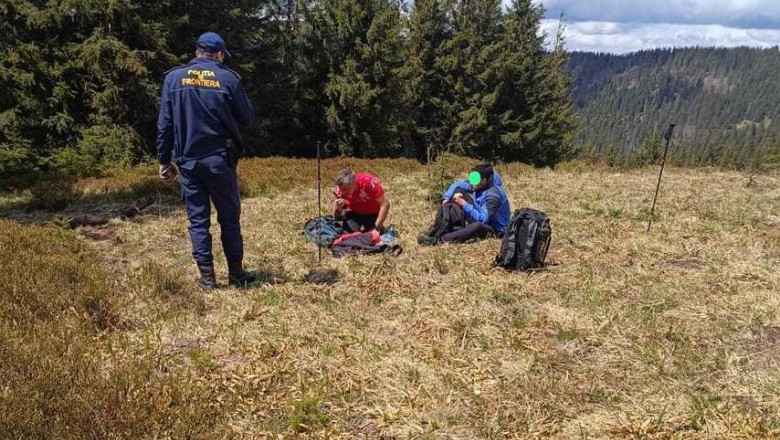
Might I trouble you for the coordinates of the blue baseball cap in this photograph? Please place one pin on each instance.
(212, 42)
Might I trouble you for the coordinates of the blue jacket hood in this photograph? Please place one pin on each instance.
(496, 181)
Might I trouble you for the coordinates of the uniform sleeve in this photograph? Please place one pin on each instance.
(165, 126)
(243, 111)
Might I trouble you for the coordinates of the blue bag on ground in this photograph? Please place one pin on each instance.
(323, 230)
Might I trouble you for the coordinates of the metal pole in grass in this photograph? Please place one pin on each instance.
(667, 137)
(430, 175)
(320, 275)
(319, 203)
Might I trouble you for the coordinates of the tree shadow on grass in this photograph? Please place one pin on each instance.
(91, 203)
(96, 208)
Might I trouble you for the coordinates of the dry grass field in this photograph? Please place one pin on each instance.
(672, 334)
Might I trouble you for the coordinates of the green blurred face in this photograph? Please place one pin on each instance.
(476, 180)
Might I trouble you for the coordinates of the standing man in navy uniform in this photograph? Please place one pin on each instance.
(203, 104)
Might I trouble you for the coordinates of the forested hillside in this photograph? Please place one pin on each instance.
(369, 78)
(725, 102)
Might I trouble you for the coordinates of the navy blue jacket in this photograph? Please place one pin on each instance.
(491, 204)
(203, 104)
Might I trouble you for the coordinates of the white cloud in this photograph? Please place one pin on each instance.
(747, 14)
(768, 36)
(600, 28)
(596, 36)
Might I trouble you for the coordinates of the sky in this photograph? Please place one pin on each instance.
(621, 26)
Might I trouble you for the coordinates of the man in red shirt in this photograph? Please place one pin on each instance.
(361, 199)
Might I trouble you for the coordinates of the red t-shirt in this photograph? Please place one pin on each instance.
(367, 196)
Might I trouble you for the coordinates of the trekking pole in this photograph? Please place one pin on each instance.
(319, 204)
(320, 275)
(430, 173)
(667, 137)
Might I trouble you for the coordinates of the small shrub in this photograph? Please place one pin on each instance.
(307, 414)
(53, 194)
(503, 298)
(101, 147)
(164, 281)
(566, 334)
(442, 172)
(616, 213)
(169, 289)
(16, 164)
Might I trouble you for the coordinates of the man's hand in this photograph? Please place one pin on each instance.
(339, 205)
(460, 201)
(167, 172)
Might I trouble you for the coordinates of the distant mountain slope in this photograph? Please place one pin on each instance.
(726, 101)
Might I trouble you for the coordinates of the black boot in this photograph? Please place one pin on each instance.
(207, 280)
(427, 240)
(238, 277)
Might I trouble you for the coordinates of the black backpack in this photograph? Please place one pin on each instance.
(449, 218)
(526, 241)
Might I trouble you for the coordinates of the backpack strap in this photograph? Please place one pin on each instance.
(508, 255)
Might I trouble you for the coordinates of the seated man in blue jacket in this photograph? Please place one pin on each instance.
(489, 214)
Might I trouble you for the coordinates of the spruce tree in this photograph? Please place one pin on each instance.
(473, 60)
(426, 93)
(364, 43)
(559, 121)
(537, 111)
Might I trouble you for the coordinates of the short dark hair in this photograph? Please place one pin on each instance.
(345, 177)
(205, 54)
(484, 169)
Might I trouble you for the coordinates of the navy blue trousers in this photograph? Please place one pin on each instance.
(204, 181)
(471, 231)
